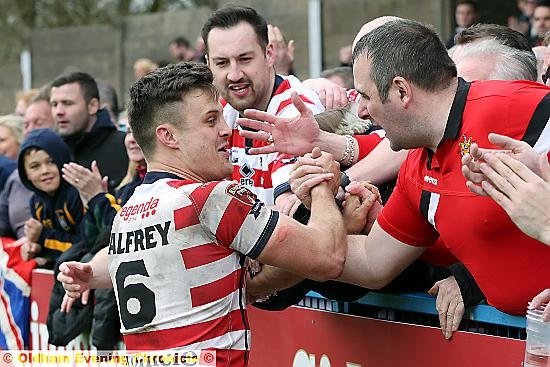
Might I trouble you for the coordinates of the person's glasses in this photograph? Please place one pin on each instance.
(546, 75)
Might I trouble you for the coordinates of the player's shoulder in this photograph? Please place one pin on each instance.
(222, 190)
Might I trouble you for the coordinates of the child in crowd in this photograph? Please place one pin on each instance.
(56, 208)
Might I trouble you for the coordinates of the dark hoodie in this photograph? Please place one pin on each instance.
(61, 213)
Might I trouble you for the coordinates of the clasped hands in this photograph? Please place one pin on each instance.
(362, 201)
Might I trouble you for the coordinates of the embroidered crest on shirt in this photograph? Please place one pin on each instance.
(464, 145)
(241, 193)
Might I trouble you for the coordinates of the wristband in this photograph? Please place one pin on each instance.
(344, 180)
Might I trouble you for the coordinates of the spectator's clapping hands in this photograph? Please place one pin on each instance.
(520, 192)
(361, 207)
(75, 277)
(296, 135)
(311, 170)
(449, 305)
(89, 183)
(539, 300)
(283, 51)
(33, 229)
(518, 149)
(331, 94)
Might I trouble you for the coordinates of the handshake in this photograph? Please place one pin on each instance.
(361, 201)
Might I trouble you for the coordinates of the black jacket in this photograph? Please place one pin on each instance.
(103, 207)
(104, 144)
(106, 323)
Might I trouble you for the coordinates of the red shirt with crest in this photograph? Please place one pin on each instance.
(431, 199)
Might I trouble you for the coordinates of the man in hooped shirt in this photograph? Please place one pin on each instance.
(177, 247)
(241, 58)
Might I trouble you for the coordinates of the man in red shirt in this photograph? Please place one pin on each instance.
(409, 86)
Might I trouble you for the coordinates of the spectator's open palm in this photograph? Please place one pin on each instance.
(283, 51)
(88, 182)
(517, 149)
(331, 94)
(296, 135)
(520, 192)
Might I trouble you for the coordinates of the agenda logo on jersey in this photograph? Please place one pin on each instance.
(143, 210)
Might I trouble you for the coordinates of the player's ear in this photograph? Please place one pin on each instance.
(166, 136)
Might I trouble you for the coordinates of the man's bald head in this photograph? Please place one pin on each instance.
(369, 26)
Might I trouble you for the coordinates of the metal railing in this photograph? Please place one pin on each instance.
(419, 308)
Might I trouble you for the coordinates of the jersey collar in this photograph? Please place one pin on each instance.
(151, 177)
(457, 109)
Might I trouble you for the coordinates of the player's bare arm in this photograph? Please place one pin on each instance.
(315, 251)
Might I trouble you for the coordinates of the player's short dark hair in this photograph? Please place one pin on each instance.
(158, 96)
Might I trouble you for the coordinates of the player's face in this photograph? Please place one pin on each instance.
(386, 114)
(203, 137)
(243, 72)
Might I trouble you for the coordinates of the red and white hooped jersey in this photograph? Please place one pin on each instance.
(259, 173)
(175, 261)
